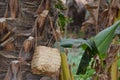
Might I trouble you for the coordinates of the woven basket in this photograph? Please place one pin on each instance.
(45, 60)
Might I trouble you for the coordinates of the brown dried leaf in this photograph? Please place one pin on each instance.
(113, 11)
(27, 49)
(86, 24)
(41, 7)
(14, 71)
(46, 78)
(97, 10)
(116, 4)
(13, 6)
(10, 47)
(28, 44)
(111, 56)
(7, 55)
(39, 23)
(93, 9)
(3, 26)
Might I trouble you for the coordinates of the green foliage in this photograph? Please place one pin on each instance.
(104, 38)
(87, 45)
(69, 43)
(98, 45)
(65, 67)
(86, 58)
(62, 19)
(59, 5)
(74, 55)
(119, 61)
(89, 73)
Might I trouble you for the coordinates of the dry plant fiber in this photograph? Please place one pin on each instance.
(45, 60)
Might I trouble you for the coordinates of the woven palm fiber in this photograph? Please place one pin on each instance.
(45, 60)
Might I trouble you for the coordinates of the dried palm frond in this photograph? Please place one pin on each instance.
(14, 71)
(28, 49)
(13, 7)
(3, 26)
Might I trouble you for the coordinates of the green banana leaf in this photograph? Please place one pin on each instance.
(104, 38)
(69, 43)
(87, 45)
(100, 44)
(86, 58)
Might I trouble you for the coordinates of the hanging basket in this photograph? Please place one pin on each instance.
(45, 60)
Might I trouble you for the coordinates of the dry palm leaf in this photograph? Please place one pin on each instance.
(14, 71)
(39, 23)
(3, 26)
(13, 7)
(10, 47)
(27, 49)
